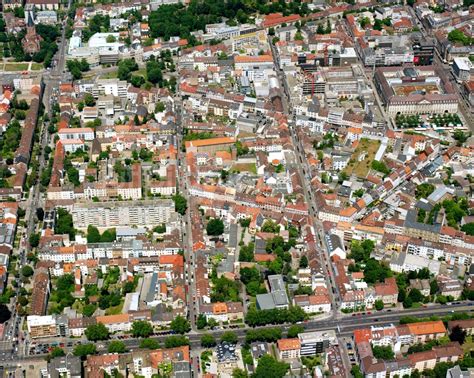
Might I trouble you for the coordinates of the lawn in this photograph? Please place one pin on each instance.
(362, 157)
(115, 310)
(16, 66)
(245, 167)
(109, 75)
(140, 72)
(468, 345)
(36, 66)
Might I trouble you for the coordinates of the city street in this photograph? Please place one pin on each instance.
(344, 326)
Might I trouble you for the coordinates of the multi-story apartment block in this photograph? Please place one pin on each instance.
(113, 214)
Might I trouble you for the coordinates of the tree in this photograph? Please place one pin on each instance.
(424, 190)
(5, 313)
(208, 341)
(239, 373)
(40, 211)
(23, 301)
(303, 262)
(176, 341)
(180, 204)
(117, 346)
(415, 295)
(64, 223)
(180, 325)
(270, 226)
(93, 234)
(141, 328)
(149, 344)
(229, 337)
(383, 352)
(246, 253)
(270, 367)
(434, 287)
(356, 373)
(468, 228)
(110, 39)
(108, 236)
(379, 305)
(165, 369)
(380, 167)
(89, 309)
(55, 352)
(89, 100)
(458, 334)
(84, 350)
(34, 239)
(375, 271)
(294, 331)
(224, 290)
(249, 274)
(154, 74)
(159, 107)
(457, 35)
(215, 227)
(137, 81)
(460, 136)
(27, 271)
(97, 332)
(407, 303)
(125, 67)
(201, 321)
(241, 149)
(363, 22)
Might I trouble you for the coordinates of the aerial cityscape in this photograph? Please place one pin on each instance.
(237, 188)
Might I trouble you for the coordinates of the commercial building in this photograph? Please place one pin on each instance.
(277, 298)
(316, 342)
(463, 69)
(415, 90)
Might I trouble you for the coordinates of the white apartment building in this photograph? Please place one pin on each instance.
(114, 87)
(82, 133)
(404, 262)
(146, 213)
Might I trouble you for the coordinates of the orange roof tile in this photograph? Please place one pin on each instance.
(289, 344)
(427, 328)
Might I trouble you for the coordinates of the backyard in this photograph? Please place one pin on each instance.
(362, 158)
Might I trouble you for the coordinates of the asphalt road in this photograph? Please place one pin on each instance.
(299, 164)
(11, 348)
(344, 326)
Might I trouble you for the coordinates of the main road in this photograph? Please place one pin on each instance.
(344, 327)
(51, 80)
(301, 166)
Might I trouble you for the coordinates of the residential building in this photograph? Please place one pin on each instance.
(41, 326)
(69, 366)
(114, 214)
(289, 348)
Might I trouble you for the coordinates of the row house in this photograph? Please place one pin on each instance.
(222, 312)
